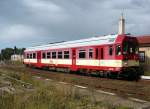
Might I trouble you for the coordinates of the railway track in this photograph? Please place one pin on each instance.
(140, 89)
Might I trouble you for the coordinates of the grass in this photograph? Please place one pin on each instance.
(17, 63)
(147, 73)
(45, 95)
(48, 97)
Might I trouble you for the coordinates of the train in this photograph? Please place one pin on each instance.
(108, 56)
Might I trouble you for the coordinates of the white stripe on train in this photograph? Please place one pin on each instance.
(87, 62)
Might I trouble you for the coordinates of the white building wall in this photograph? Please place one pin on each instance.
(17, 57)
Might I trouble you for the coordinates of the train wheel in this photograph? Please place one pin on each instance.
(113, 75)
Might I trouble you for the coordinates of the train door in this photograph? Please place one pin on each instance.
(39, 58)
(97, 53)
(101, 53)
(73, 59)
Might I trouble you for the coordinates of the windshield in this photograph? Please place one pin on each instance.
(130, 48)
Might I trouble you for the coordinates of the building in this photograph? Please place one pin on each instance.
(144, 51)
(121, 29)
(16, 57)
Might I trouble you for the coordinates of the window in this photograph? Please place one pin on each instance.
(48, 55)
(53, 55)
(136, 50)
(27, 56)
(31, 56)
(142, 56)
(43, 55)
(125, 47)
(110, 50)
(82, 54)
(66, 54)
(60, 55)
(118, 50)
(90, 53)
(34, 55)
(130, 48)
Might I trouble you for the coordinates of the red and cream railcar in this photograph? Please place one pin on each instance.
(111, 54)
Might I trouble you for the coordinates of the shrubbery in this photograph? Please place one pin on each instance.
(46, 95)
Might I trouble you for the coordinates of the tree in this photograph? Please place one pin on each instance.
(6, 53)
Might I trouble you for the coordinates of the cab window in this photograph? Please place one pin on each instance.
(118, 50)
(130, 47)
(125, 47)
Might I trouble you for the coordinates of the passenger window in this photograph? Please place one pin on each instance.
(34, 55)
(90, 53)
(118, 50)
(82, 54)
(48, 55)
(110, 50)
(43, 55)
(27, 56)
(66, 54)
(54, 55)
(31, 56)
(60, 55)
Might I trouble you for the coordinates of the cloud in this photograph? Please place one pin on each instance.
(42, 5)
(45, 11)
(30, 22)
(17, 31)
(23, 35)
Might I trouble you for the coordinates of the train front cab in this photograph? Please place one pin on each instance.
(130, 59)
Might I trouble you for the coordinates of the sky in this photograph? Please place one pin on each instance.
(25, 23)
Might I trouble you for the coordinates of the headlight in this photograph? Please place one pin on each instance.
(125, 64)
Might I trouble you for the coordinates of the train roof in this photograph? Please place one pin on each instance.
(98, 40)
